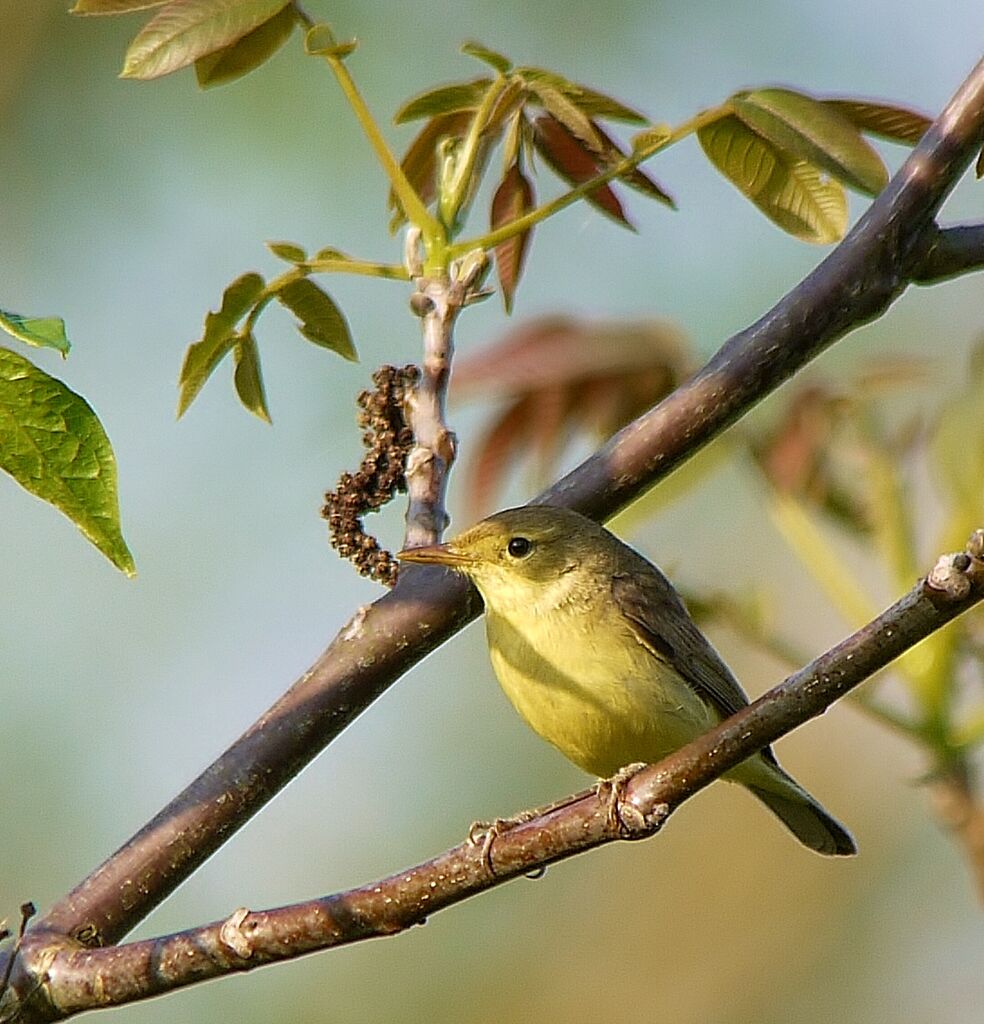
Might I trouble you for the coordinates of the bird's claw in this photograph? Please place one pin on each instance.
(621, 815)
(485, 833)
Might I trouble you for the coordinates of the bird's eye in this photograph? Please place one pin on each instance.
(519, 547)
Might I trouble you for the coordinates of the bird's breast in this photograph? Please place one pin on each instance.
(580, 679)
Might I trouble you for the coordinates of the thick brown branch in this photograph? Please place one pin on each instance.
(856, 283)
(949, 252)
(77, 979)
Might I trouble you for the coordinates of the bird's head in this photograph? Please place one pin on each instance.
(514, 556)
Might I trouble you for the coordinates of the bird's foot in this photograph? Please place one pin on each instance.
(622, 816)
(485, 833)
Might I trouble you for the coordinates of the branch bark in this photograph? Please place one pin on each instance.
(438, 302)
(857, 282)
(76, 979)
(949, 252)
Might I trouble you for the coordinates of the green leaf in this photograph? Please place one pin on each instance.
(322, 321)
(443, 100)
(114, 6)
(320, 41)
(419, 163)
(512, 139)
(655, 134)
(287, 251)
(255, 48)
(509, 104)
(563, 109)
(54, 446)
(188, 29)
(810, 130)
(597, 104)
(204, 355)
(40, 331)
(897, 124)
(589, 101)
(789, 192)
(248, 379)
(490, 57)
(329, 253)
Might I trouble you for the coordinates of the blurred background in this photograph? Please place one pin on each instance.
(126, 208)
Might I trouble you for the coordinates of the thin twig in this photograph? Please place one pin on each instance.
(437, 301)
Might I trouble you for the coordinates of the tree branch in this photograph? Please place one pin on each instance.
(76, 979)
(949, 252)
(854, 284)
(437, 301)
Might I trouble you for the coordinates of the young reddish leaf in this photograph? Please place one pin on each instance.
(248, 379)
(188, 29)
(255, 48)
(114, 6)
(808, 129)
(490, 57)
(636, 178)
(820, 451)
(204, 355)
(512, 199)
(549, 350)
(789, 192)
(494, 452)
(322, 322)
(575, 163)
(897, 124)
(420, 160)
(560, 376)
(443, 100)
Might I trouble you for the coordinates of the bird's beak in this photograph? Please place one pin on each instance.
(436, 554)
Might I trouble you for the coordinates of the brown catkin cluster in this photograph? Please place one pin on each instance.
(380, 475)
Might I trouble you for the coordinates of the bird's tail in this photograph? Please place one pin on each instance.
(801, 814)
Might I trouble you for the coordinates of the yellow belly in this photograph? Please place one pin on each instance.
(602, 704)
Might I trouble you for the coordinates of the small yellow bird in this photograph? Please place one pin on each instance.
(597, 652)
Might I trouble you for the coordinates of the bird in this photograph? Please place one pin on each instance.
(595, 649)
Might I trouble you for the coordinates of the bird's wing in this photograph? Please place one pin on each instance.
(663, 625)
